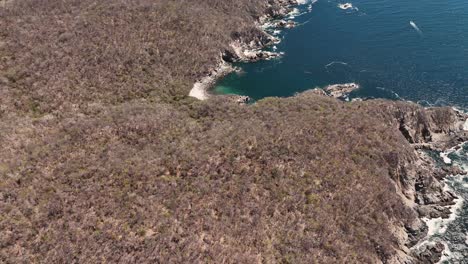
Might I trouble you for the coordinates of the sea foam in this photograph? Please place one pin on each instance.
(445, 158)
(437, 226)
(345, 6)
(348, 6)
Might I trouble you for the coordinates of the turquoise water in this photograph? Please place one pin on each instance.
(374, 46)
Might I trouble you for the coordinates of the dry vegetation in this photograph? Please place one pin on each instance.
(104, 159)
(61, 55)
(284, 180)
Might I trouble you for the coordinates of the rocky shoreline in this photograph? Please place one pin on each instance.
(419, 180)
(250, 47)
(105, 159)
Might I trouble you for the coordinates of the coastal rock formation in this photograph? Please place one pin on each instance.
(284, 24)
(201, 87)
(432, 129)
(106, 159)
(338, 91)
(432, 253)
(248, 46)
(419, 177)
(341, 91)
(246, 53)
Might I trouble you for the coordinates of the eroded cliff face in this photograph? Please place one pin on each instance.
(420, 177)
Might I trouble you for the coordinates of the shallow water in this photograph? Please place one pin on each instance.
(395, 49)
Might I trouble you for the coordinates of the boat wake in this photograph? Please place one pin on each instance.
(416, 28)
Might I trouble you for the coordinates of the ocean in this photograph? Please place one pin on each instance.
(394, 49)
(415, 50)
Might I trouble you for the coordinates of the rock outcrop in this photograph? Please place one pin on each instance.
(338, 91)
(341, 91)
(432, 253)
(428, 129)
(419, 177)
(249, 46)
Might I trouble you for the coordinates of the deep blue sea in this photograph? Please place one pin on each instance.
(395, 49)
(372, 44)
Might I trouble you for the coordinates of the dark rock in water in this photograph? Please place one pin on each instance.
(433, 211)
(285, 24)
(432, 253)
(341, 91)
(454, 170)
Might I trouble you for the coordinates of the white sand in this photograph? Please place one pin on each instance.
(200, 88)
(199, 91)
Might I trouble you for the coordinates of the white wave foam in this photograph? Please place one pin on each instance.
(465, 126)
(461, 180)
(267, 25)
(345, 6)
(445, 158)
(438, 226)
(416, 28)
(446, 254)
(336, 62)
(348, 6)
(295, 13)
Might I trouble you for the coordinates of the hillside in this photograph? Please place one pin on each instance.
(105, 158)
